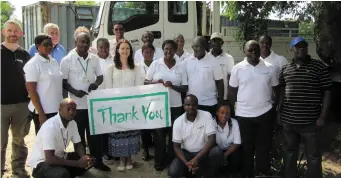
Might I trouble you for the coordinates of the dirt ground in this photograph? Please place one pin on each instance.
(331, 159)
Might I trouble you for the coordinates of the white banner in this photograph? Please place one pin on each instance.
(133, 108)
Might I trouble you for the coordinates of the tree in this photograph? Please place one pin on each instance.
(7, 10)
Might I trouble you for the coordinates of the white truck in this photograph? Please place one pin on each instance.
(165, 19)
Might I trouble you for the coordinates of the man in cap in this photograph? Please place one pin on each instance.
(303, 107)
(223, 60)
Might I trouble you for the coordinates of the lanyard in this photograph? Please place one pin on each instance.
(87, 64)
(64, 139)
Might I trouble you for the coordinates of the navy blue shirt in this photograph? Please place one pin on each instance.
(58, 52)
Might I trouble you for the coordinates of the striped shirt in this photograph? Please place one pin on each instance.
(304, 87)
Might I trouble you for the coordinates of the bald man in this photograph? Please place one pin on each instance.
(181, 54)
(48, 158)
(252, 83)
(147, 37)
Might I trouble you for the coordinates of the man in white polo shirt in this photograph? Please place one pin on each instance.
(223, 60)
(268, 55)
(204, 77)
(181, 54)
(252, 83)
(81, 74)
(48, 158)
(193, 142)
(147, 37)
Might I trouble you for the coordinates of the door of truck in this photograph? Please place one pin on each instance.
(136, 17)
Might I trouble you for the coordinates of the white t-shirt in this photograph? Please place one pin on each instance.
(139, 57)
(182, 58)
(193, 135)
(225, 62)
(105, 63)
(254, 87)
(53, 136)
(117, 78)
(202, 75)
(49, 80)
(159, 70)
(225, 138)
(73, 68)
(277, 61)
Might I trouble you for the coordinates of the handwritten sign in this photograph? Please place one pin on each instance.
(133, 108)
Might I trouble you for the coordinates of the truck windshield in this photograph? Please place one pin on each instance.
(133, 14)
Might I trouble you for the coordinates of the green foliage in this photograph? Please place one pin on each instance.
(86, 3)
(306, 29)
(7, 10)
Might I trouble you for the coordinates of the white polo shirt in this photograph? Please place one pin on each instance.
(139, 57)
(53, 136)
(225, 138)
(159, 70)
(73, 68)
(144, 67)
(254, 87)
(49, 80)
(193, 135)
(225, 62)
(202, 75)
(277, 61)
(105, 63)
(182, 58)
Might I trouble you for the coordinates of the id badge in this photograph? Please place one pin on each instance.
(86, 79)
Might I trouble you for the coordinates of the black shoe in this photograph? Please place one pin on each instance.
(107, 157)
(145, 156)
(102, 167)
(159, 168)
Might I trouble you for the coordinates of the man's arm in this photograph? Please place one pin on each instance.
(275, 93)
(232, 149)
(180, 88)
(79, 149)
(99, 80)
(68, 87)
(325, 104)
(232, 96)
(51, 159)
(210, 143)
(220, 89)
(179, 153)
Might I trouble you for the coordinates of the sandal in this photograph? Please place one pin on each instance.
(129, 167)
(121, 168)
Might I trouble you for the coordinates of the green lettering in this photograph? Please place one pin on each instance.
(145, 111)
(103, 113)
(121, 117)
(159, 114)
(151, 115)
(133, 113)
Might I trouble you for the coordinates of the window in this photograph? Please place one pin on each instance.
(178, 11)
(133, 14)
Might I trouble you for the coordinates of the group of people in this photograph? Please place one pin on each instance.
(223, 115)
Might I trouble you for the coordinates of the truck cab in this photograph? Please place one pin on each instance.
(165, 19)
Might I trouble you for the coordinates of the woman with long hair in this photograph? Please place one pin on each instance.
(228, 140)
(124, 73)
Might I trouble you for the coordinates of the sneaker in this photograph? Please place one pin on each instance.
(102, 167)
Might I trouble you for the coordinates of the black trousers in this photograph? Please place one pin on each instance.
(256, 134)
(44, 170)
(210, 109)
(232, 164)
(292, 135)
(35, 118)
(94, 141)
(164, 155)
(147, 139)
(208, 164)
(336, 101)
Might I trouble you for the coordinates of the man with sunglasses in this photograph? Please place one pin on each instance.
(14, 98)
(58, 51)
(223, 60)
(118, 30)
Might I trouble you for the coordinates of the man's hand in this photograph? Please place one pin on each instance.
(319, 122)
(92, 86)
(84, 162)
(168, 84)
(91, 162)
(160, 81)
(80, 93)
(194, 165)
(42, 118)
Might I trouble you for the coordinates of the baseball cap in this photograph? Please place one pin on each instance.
(296, 40)
(216, 35)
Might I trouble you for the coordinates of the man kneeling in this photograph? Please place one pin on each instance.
(195, 131)
(48, 158)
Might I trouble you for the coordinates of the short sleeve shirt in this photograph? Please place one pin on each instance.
(225, 138)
